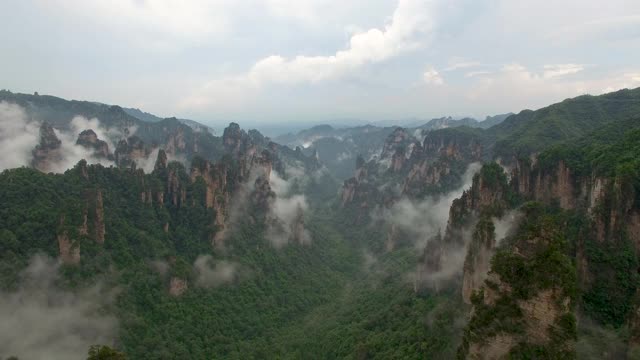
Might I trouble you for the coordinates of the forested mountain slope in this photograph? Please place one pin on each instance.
(237, 247)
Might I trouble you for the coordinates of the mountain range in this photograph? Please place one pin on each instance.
(513, 237)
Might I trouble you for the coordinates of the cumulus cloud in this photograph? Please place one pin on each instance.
(410, 18)
(212, 273)
(458, 63)
(18, 136)
(551, 71)
(410, 22)
(432, 76)
(471, 74)
(42, 321)
(159, 23)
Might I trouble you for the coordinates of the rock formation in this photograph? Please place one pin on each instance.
(89, 140)
(47, 152)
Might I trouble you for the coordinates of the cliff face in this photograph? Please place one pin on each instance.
(89, 140)
(47, 152)
(608, 202)
(469, 233)
(131, 150)
(410, 168)
(177, 286)
(477, 261)
(399, 139)
(526, 301)
(611, 211)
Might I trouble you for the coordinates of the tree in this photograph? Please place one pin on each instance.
(103, 352)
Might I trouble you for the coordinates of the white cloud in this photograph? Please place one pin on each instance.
(284, 214)
(424, 219)
(551, 71)
(42, 321)
(432, 76)
(159, 21)
(471, 74)
(601, 28)
(18, 136)
(410, 24)
(211, 273)
(410, 18)
(461, 63)
(634, 77)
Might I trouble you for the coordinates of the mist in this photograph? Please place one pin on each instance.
(284, 213)
(18, 136)
(423, 220)
(212, 273)
(42, 321)
(505, 225)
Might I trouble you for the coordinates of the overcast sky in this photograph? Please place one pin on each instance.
(313, 60)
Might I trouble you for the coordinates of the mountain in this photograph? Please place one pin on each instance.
(162, 241)
(531, 131)
(338, 148)
(147, 117)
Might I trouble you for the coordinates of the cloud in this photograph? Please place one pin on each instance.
(410, 18)
(431, 76)
(551, 71)
(42, 321)
(471, 74)
(505, 225)
(424, 219)
(410, 23)
(634, 77)
(18, 136)
(602, 28)
(460, 63)
(286, 215)
(162, 24)
(212, 273)
(159, 266)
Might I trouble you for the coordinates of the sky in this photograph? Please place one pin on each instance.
(276, 61)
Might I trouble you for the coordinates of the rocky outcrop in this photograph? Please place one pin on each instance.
(453, 145)
(398, 160)
(130, 150)
(423, 175)
(98, 221)
(609, 203)
(478, 259)
(69, 251)
(398, 139)
(489, 192)
(299, 233)
(177, 286)
(557, 185)
(47, 153)
(526, 301)
(234, 139)
(176, 143)
(89, 140)
(162, 161)
(262, 195)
